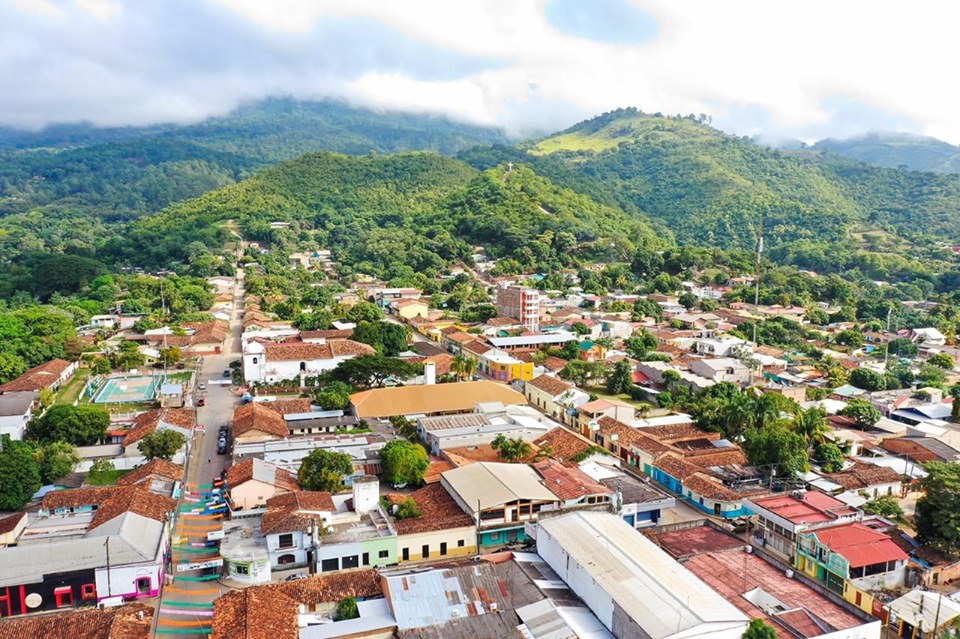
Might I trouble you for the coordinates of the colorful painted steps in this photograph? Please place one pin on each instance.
(189, 604)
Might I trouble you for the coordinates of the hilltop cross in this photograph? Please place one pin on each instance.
(509, 167)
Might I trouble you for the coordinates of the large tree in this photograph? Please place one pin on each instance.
(373, 370)
(334, 396)
(162, 443)
(56, 460)
(621, 378)
(862, 412)
(19, 474)
(759, 630)
(777, 448)
(323, 470)
(403, 462)
(77, 425)
(938, 511)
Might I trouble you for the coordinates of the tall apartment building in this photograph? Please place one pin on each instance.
(520, 302)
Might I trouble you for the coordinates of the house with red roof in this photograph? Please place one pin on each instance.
(853, 561)
(781, 517)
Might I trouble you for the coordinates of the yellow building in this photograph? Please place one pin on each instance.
(408, 309)
(442, 529)
(503, 367)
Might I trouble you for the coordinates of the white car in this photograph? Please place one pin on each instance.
(202, 387)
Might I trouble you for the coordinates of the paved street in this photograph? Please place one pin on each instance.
(186, 606)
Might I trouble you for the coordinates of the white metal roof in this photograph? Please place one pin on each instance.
(659, 594)
(489, 484)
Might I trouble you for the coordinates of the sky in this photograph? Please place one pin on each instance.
(777, 70)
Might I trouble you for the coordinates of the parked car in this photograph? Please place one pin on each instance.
(222, 447)
(202, 386)
(201, 402)
(297, 576)
(227, 373)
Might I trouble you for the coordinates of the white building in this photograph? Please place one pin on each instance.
(634, 588)
(721, 369)
(16, 409)
(275, 362)
(477, 429)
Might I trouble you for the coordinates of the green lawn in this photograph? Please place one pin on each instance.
(601, 392)
(182, 376)
(69, 393)
(106, 478)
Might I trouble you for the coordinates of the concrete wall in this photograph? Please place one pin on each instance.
(123, 580)
(452, 537)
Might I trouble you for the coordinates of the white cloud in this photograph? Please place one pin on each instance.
(100, 9)
(797, 67)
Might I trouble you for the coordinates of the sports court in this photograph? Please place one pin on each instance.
(128, 389)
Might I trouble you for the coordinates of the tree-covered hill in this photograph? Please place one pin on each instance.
(713, 189)
(393, 215)
(895, 150)
(65, 187)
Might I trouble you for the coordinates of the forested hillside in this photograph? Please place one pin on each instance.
(895, 150)
(713, 189)
(66, 188)
(395, 215)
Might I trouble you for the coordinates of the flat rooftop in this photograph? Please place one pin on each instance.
(807, 508)
(762, 591)
(694, 541)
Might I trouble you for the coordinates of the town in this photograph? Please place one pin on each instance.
(539, 463)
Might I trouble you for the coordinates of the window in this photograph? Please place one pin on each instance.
(286, 559)
(406, 554)
(241, 569)
(254, 360)
(366, 559)
(88, 591)
(64, 596)
(383, 554)
(353, 561)
(425, 551)
(495, 536)
(443, 548)
(461, 543)
(286, 540)
(329, 565)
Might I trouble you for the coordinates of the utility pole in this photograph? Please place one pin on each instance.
(885, 353)
(109, 586)
(756, 294)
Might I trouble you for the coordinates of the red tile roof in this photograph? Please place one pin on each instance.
(301, 351)
(112, 501)
(438, 510)
(122, 622)
(271, 611)
(864, 475)
(147, 422)
(37, 378)
(552, 386)
(568, 483)
(860, 545)
(292, 511)
(328, 335)
(258, 416)
(153, 468)
(243, 472)
(564, 443)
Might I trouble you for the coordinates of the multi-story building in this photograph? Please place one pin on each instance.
(520, 302)
(781, 517)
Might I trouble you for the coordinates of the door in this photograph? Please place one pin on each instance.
(143, 585)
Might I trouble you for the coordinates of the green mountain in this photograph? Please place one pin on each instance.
(393, 215)
(895, 150)
(63, 188)
(713, 189)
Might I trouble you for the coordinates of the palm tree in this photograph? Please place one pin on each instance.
(810, 424)
(511, 450)
(459, 366)
(469, 367)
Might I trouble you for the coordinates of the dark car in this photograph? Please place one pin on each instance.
(222, 447)
(201, 402)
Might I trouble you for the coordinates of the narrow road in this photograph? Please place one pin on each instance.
(186, 606)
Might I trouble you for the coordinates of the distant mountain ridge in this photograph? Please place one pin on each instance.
(895, 150)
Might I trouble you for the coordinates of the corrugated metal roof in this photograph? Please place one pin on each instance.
(659, 594)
